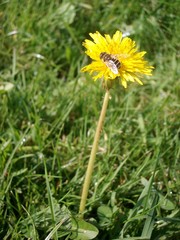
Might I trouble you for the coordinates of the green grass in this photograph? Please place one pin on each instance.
(48, 115)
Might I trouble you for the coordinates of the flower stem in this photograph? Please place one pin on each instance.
(93, 155)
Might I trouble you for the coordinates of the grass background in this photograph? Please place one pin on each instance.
(48, 116)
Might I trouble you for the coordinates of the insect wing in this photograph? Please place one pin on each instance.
(112, 66)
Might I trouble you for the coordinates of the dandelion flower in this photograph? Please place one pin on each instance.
(115, 57)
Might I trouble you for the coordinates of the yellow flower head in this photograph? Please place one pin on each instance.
(115, 57)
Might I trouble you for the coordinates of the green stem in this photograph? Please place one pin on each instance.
(93, 155)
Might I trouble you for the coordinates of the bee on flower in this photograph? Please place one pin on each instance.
(115, 57)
